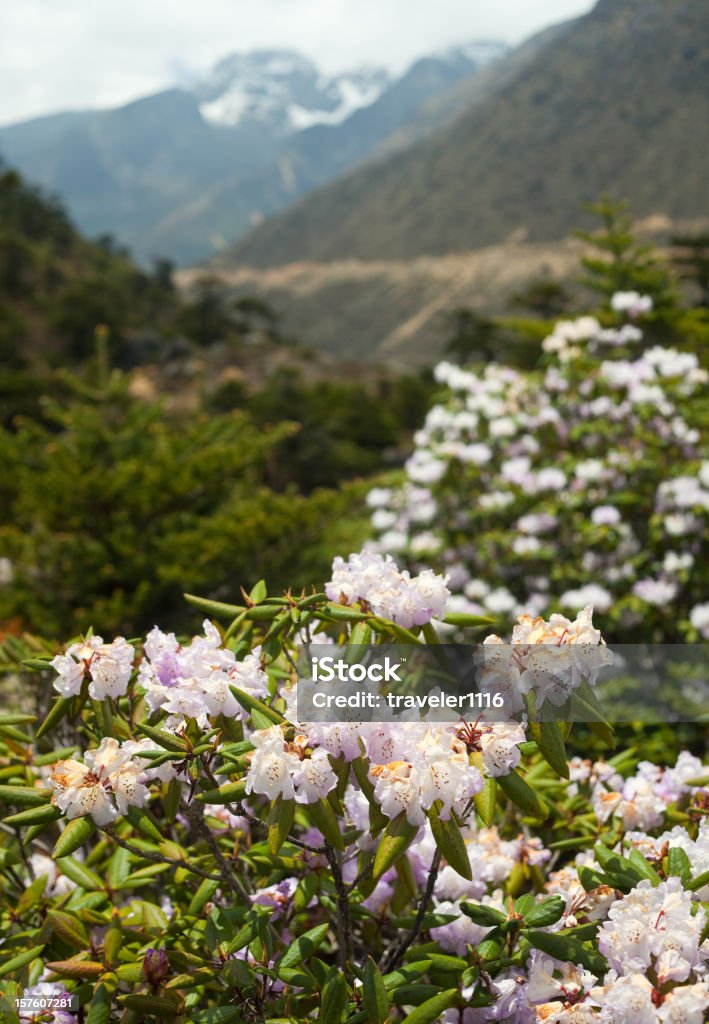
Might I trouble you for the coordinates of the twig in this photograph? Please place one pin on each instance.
(396, 955)
(158, 858)
(344, 925)
(228, 876)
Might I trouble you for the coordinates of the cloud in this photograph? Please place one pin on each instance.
(88, 53)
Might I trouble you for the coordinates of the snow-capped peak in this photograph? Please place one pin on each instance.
(285, 91)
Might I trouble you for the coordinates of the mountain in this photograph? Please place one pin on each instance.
(615, 101)
(182, 172)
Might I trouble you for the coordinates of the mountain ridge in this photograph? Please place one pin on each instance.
(611, 104)
(133, 170)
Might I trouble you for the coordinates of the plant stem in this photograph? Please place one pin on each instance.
(396, 955)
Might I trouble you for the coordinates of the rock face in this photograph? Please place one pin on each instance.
(613, 102)
(183, 172)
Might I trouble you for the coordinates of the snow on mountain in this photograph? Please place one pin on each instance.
(288, 93)
(285, 91)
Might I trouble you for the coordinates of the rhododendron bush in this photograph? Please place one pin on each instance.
(586, 481)
(177, 846)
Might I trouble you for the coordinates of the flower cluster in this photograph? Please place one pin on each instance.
(376, 583)
(585, 482)
(108, 667)
(195, 680)
(423, 869)
(111, 779)
(287, 769)
(549, 659)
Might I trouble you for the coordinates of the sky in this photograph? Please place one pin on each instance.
(74, 54)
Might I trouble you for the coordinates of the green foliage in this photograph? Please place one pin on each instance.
(113, 507)
(623, 263)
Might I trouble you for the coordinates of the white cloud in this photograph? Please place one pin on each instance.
(64, 54)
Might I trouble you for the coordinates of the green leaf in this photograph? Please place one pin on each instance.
(480, 913)
(68, 928)
(166, 740)
(374, 996)
(156, 1006)
(251, 704)
(643, 867)
(550, 741)
(36, 665)
(398, 836)
(217, 1015)
(432, 1009)
(31, 896)
(76, 968)
(143, 822)
(203, 895)
(259, 592)
(463, 619)
(486, 801)
(563, 947)
(232, 792)
(25, 796)
(59, 710)
(216, 608)
(678, 863)
(413, 995)
(521, 793)
(450, 842)
(100, 1006)
(546, 912)
(624, 875)
(280, 820)
(246, 934)
(304, 946)
(76, 833)
(323, 817)
(20, 961)
(403, 975)
(334, 1000)
(34, 816)
(113, 940)
(699, 881)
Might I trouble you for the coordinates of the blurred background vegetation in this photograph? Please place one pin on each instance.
(156, 441)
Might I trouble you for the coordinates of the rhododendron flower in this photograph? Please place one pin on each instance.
(377, 583)
(107, 666)
(439, 771)
(195, 680)
(285, 769)
(654, 927)
(107, 783)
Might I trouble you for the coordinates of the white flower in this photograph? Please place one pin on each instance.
(273, 765)
(699, 618)
(657, 592)
(629, 1000)
(686, 1004)
(654, 927)
(376, 581)
(591, 593)
(314, 778)
(107, 772)
(499, 743)
(438, 769)
(632, 303)
(107, 666)
(605, 515)
(500, 601)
